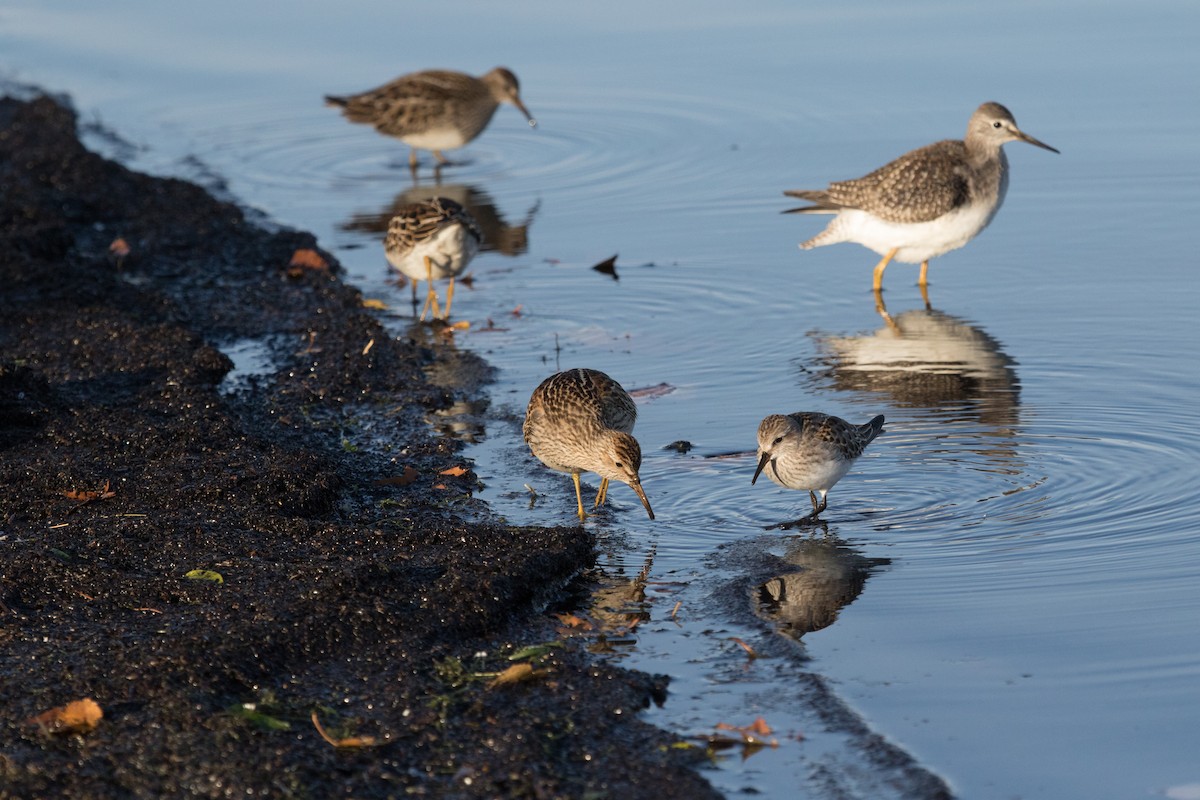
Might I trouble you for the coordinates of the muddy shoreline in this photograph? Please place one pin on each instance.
(358, 580)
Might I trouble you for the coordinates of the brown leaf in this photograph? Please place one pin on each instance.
(348, 742)
(307, 258)
(86, 496)
(608, 267)
(404, 479)
(79, 716)
(119, 248)
(517, 673)
(371, 302)
(516, 312)
(453, 472)
(572, 621)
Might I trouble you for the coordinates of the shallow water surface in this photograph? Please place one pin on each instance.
(1005, 584)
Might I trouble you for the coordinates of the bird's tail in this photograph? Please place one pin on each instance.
(819, 199)
(872, 429)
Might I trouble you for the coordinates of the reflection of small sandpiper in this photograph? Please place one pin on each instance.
(432, 240)
(809, 450)
(927, 202)
(434, 110)
(581, 420)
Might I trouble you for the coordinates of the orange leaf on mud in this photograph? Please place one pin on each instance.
(307, 258)
(453, 472)
(119, 248)
(79, 716)
(85, 496)
(517, 673)
(348, 742)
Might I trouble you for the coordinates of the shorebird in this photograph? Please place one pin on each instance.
(581, 420)
(925, 203)
(432, 240)
(810, 450)
(434, 110)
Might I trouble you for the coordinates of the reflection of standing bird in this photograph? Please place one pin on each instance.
(809, 450)
(581, 420)
(432, 240)
(927, 202)
(435, 109)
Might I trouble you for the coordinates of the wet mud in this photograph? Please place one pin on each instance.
(358, 579)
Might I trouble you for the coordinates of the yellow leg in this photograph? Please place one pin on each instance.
(441, 158)
(881, 266)
(922, 281)
(578, 496)
(431, 297)
(449, 298)
(881, 308)
(925, 297)
(602, 495)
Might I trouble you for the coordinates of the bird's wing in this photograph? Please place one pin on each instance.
(917, 187)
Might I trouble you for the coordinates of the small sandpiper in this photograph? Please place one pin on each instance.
(432, 240)
(927, 202)
(810, 450)
(434, 110)
(581, 420)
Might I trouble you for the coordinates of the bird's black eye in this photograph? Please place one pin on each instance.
(995, 124)
(778, 439)
(620, 465)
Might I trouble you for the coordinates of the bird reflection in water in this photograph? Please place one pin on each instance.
(831, 576)
(498, 234)
(925, 358)
(461, 376)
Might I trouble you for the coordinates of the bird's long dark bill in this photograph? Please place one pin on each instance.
(762, 462)
(525, 111)
(1025, 137)
(637, 487)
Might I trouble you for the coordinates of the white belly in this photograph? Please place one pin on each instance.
(449, 250)
(435, 139)
(915, 241)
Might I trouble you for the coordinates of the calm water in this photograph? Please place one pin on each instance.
(1015, 560)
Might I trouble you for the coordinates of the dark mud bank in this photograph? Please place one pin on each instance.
(358, 581)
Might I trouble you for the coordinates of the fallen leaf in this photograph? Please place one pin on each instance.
(608, 267)
(572, 621)
(349, 741)
(408, 476)
(453, 472)
(371, 302)
(119, 248)
(204, 575)
(85, 496)
(79, 716)
(307, 258)
(516, 312)
(517, 673)
(368, 347)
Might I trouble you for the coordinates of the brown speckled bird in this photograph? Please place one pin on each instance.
(581, 420)
(927, 202)
(810, 450)
(435, 109)
(432, 240)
